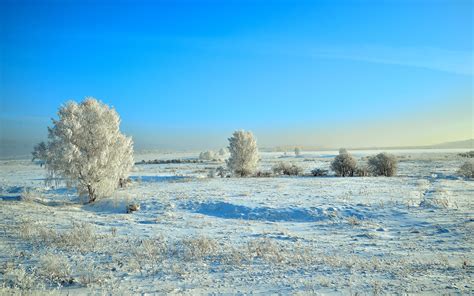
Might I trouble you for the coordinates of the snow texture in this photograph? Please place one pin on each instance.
(194, 235)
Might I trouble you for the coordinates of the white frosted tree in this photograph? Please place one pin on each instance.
(207, 155)
(297, 151)
(87, 149)
(244, 157)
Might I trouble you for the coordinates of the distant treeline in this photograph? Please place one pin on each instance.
(168, 161)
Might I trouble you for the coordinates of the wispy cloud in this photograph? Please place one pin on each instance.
(453, 61)
(436, 59)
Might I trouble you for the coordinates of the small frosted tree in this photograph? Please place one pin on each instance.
(207, 155)
(87, 149)
(344, 164)
(40, 153)
(244, 156)
(297, 151)
(383, 164)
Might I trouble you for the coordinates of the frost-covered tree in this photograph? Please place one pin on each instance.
(87, 149)
(344, 164)
(207, 155)
(243, 160)
(40, 152)
(223, 152)
(297, 151)
(383, 164)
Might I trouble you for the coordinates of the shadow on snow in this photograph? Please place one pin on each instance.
(153, 179)
(227, 210)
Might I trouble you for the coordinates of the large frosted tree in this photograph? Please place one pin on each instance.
(87, 149)
(244, 156)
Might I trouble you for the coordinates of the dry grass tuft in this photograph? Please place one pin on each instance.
(56, 269)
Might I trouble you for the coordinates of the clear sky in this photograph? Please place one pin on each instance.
(185, 74)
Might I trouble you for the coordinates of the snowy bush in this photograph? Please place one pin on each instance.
(263, 174)
(319, 173)
(87, 149)
(467, 169)
(383, 164)
(222, 172)
(223, 152)
(283, 168)
(244, 156)
(362, 171)
(55, 268)
(197, 249)
(266, 249)
(469, 154)
(16, 277)
(207, 155)
(344, 164)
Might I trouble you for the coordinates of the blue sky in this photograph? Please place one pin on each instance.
(185, 74)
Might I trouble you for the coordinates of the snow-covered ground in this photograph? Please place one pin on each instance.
(199, 235)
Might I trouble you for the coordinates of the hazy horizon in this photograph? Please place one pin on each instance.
(183, 75)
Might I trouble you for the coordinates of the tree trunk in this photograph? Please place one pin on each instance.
(91, 193)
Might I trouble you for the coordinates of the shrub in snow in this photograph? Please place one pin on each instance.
(362, 171)
(243, 160)
(467, 169)
(297, 151)
(197, 249)
(469, 154)
(287, 169)
(383, 164)
(319, 172)
(55, 268)
(263, 174)
(222, 172)
(207, 155)
(87, 149)
(344, 164)
(16, 277)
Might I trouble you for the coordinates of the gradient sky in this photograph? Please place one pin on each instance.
(185, 74)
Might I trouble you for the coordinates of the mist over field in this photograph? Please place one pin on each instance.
(236, 147)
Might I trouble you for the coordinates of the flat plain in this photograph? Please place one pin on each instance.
(197, 234)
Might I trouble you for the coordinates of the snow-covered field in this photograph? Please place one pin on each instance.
(409, 234)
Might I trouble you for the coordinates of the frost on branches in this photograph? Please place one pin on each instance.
(344, 164)
(244, 156)
(87, 149)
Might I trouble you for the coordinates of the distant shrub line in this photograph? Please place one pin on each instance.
(469, 154)
(169, 161)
